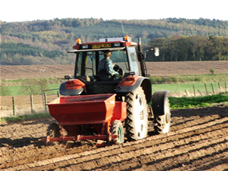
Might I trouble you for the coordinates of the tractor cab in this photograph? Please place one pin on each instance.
(88, 56)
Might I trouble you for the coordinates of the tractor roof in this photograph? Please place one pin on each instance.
(104, 44)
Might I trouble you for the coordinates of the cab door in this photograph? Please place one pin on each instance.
(133, 60)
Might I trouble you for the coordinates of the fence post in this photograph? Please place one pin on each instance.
(206, 88)
(31, 101)
(219, 85)
(13, 101)
(45, 102)
(200, 92)
(186, 92)
(58, 94)
(194, 90)
(213, 88)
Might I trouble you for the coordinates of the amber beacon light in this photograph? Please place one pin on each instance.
(79, 41)
(126, 38)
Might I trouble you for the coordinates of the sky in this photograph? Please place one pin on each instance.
(29, 10)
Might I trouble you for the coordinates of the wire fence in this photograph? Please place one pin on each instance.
(192, 89)
(21, 105)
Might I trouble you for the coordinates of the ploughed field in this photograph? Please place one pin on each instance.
(154, 68)
(198, 141)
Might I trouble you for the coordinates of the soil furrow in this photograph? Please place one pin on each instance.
(50, 152)
(195, 121)
(198, 141)
(143, 150)
(127, 161)
(198, 163)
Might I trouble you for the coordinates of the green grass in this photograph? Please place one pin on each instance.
(16, 90)
(23, 117)
(196, 102)
(20, 82)
(206, 78)
(174, 88)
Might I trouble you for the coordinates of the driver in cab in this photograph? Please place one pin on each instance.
(106, 63)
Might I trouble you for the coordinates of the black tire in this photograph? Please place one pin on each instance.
(53, 130)
(117, 129)
(137, 115)
(163, 122)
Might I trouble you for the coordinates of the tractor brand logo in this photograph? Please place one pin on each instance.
(97, 46)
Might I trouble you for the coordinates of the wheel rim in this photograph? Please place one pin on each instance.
(166, 128)
(139, 116)
(120, 135)
(167, 118)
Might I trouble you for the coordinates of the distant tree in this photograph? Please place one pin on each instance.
(212, 70)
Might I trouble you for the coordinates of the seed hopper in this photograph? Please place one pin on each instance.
(87, 117)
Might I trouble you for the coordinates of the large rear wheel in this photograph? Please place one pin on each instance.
(163, 122)
(137, 115)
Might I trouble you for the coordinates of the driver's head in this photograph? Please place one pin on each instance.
(107, 54)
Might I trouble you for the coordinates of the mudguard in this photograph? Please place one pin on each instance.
(158, 102)
(69, 92)
(144, 82)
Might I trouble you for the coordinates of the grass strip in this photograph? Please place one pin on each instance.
(196, 102)
(24, 117)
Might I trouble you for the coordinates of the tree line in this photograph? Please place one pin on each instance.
(46, 41)
(189, 48)
(10, 49)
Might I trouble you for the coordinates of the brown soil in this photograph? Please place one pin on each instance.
(154, 68)
(198, 141)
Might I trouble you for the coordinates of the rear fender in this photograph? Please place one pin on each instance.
(131, 83)
(72, 87)
(158, 102)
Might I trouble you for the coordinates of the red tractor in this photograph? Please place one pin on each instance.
(95, 105)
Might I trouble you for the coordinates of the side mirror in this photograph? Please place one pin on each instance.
(156, 51)
(67, 77)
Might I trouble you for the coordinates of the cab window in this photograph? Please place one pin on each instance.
(133, 60)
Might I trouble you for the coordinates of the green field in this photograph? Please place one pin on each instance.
(175, 88)
(178, 84)
(18, 90)
(203, 78)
